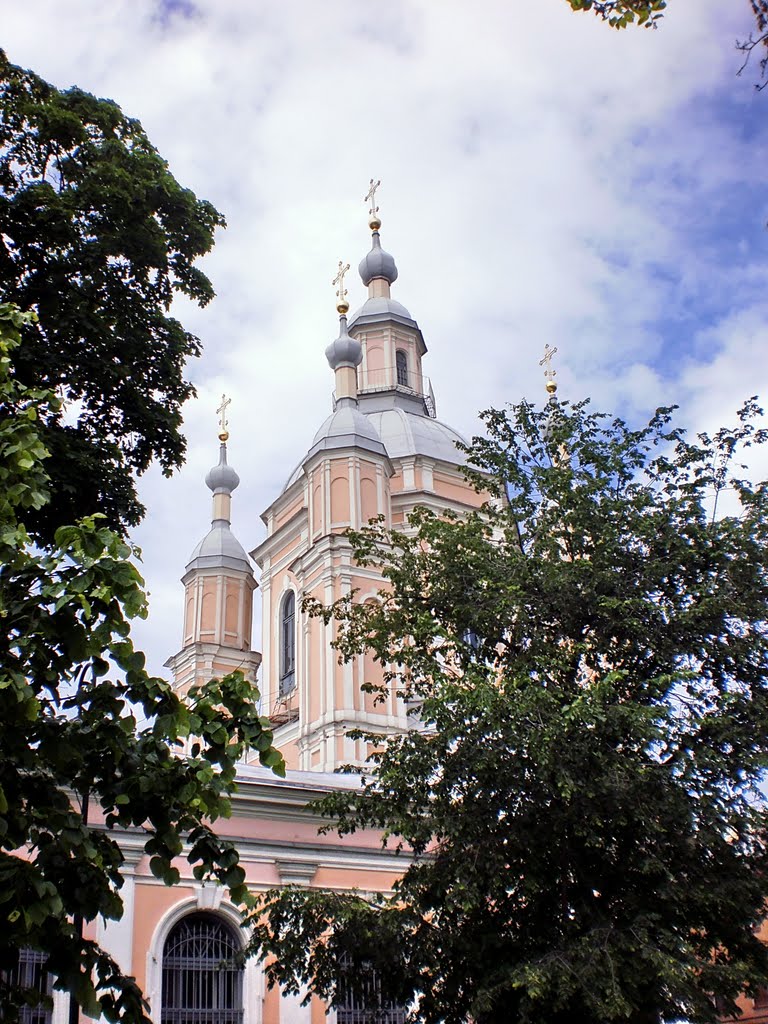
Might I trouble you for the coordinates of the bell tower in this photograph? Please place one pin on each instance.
(381, 452)
(218, 590)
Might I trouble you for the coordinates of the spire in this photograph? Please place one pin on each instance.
(218, 589)
(377, 270)
(222, 479)
(220, 547)
(344, 354)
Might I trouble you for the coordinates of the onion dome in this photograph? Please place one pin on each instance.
(222, 479)
(377, 263)
(345, 350)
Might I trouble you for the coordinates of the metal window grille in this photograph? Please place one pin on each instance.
(30, 974)
(202, 984)
(288, 644)
(359, 999)
(401, 363)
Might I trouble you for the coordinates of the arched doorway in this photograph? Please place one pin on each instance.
(202, 983)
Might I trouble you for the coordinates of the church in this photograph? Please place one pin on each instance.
(381, 452)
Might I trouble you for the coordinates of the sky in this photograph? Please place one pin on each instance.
(544, 180)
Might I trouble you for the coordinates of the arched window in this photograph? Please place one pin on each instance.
(401, 363)
(288, 644)
(202, 984)
(29, 974)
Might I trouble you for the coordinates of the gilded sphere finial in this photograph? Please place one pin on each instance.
(221, 412)
(374, 220)
(549, 373)
(342, 307)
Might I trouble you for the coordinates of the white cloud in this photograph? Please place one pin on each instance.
(544, 180)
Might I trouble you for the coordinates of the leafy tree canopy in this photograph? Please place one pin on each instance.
(90, 744)
(622, 13)
(97, 236)
(579, 801)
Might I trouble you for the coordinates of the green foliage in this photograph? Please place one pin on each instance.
(76, 767)
(621, 13)
(97, 237)
(580, 801)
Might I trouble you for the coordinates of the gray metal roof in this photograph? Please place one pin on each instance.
(346, 427)
(381, 310)
(220, 548)
(377, 263)
(405, 433)
(345, 350)
(222, 479)
(396, 431)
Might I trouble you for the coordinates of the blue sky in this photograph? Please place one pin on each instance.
(544, 179)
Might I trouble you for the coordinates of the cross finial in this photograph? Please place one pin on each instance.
(221, 412)
(341, 293)
(549, 373)
(373, 210)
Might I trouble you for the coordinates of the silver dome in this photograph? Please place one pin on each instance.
(381, 309)
(346, 427)
(222, 478)
(219, 548)
(345, 350)
(377, 263)
(405, 433)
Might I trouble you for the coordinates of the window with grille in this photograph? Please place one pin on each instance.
(401, 364)
(202, 983)
(288, 644)
(359, 998)
(29, 973)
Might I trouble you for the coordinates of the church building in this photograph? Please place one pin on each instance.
(381, 452)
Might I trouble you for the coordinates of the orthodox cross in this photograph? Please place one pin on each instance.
(371, 195)
(221, 412)
(339, 280)
(549, 373)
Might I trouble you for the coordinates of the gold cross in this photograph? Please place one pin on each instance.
(342, 305)
(549, 373)
(221, 412)
(371, 195)
(547, 361)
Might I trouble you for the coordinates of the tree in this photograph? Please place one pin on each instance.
(579, 803)
(76, 765)
(621, 13)
(97, 236)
